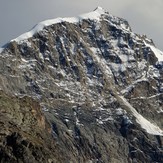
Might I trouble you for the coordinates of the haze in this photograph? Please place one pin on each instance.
(19, 16)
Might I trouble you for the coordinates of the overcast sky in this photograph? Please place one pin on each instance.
(18, 16)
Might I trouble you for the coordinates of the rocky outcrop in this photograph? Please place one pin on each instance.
(98, 84)
(25, 135)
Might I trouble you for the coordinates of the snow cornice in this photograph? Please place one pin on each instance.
(94, 15)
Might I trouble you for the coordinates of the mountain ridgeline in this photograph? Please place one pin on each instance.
(81, 90)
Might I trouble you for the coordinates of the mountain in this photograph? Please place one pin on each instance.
(84, 89)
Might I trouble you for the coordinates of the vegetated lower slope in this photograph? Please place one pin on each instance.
(98, 84)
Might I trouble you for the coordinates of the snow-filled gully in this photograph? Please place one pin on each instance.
(144, 123)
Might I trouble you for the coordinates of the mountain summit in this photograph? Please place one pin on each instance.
(82, 89)
(94, 15)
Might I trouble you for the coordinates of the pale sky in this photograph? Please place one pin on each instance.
(19, 16)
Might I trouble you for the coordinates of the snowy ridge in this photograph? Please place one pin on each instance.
(94, 15)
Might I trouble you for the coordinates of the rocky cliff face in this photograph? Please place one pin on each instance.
(99, 85)
(25, 135)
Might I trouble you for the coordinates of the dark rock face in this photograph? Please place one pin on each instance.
(25, 135)
(99, 94)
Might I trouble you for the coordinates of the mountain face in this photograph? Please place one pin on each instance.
(84, 89)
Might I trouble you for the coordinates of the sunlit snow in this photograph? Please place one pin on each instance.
(94, 15)
(157, 52)
(144, 123)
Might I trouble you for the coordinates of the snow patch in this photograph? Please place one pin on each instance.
(118, 67)
(1, 50)
(131, 86)
(41, 56)
(160, 110)
(125, 27)
(101, 61)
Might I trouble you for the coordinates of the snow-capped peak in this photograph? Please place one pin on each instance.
(94, 15)
(99, 9)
